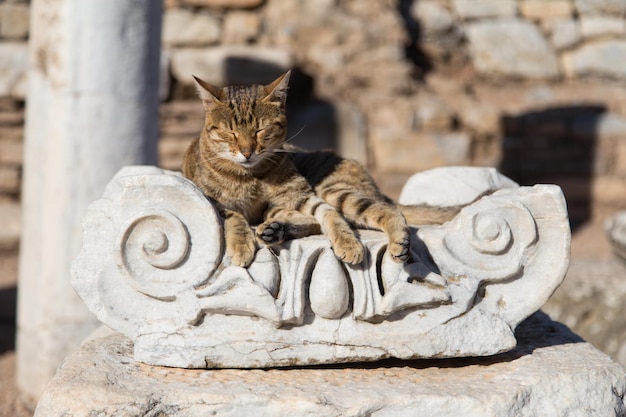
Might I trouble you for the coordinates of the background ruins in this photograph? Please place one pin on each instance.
(535, 88)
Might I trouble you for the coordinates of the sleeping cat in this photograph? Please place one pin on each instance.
(241, 162)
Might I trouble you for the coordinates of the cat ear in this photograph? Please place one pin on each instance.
(277, 89)
(209, 94)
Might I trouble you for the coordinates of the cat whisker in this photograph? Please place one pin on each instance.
(294, 135)
(203, 160)
(270, 156)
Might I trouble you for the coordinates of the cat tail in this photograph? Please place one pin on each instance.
(421, 215)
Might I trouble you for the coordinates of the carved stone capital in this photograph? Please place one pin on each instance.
(153, 267)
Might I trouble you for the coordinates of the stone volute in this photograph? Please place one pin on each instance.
(153, 267)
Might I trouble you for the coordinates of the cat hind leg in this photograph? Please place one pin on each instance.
(313, 216)
(346, 245)
(380, 215)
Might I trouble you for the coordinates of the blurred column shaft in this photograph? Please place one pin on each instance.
(92, 107)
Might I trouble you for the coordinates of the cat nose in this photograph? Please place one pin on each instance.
(246, 153)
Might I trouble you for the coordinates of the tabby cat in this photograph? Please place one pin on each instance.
(241, 163)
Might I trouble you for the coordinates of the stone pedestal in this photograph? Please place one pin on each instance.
(551, 372)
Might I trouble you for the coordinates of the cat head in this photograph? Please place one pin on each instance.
(244, 124)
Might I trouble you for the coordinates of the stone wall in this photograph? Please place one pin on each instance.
(14, 22)
(13, 55)
(535, 88)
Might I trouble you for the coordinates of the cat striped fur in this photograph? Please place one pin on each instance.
(241, 162)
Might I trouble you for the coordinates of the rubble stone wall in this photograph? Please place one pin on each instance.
(536, 88)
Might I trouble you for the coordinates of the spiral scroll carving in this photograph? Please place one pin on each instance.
(160, 238)
(492, 241)
(150, 244)
(491, 235)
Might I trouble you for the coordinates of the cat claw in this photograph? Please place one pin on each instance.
(400, 250)
(353, 255)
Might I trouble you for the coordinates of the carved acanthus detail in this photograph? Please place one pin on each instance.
(153, 267)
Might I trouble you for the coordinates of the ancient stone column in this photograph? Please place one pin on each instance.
(92, 107)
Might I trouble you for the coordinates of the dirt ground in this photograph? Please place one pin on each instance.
(588, 242)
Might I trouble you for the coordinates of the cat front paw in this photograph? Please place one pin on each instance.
(399, 248)
(242, 250)
(348, 249)
(271, 233)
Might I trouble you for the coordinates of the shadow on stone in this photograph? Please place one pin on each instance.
(243, 71)
(555, 145)
(412, 49)
(8, 302)
(536, 332)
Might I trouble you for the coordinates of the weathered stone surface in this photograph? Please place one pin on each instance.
(240, 27)
(510, 47)
(11, 152)
(616, 232)
(616, 7)
(479, 117)
(591, 301)
(182, 27)
(468, 184)
(541, 9)
(416, 151)
(565, 33)
(473, 9)
(607, 189)
(351, 133)
(596, 26)
(9, 180)
(225, 65)
(13, 66)
(620, 159)
(236, 4)
(155, 270)
(551, 372)
(432, 16)
(455, 147)
(431, 114)
(10, 225)
(414, 135)
(14, 22)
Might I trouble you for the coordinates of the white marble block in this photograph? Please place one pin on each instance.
(153, 267)
(551, 373)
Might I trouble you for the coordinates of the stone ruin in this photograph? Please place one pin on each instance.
(153, 269)
(472, 108)
(616, 233)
